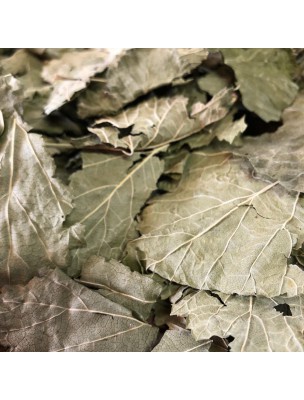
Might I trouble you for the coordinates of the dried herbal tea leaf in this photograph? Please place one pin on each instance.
(137, 72)
(279, 156)
(211, 83)
(253, 322)
(160, 121)
(28, 70)
(72, 72)
(33, 207)
(181, 341)
(264, 78)
(108, 193)
(54, 313)
(118, 283)
(221, 229)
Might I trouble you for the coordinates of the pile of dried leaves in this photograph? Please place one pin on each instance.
(151, 200)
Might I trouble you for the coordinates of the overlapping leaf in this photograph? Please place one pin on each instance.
(181, 341)
(33, 206)
(253, 322)
(264, 77)
(160, 121)
(72, 72)
(118, 283)
(108, 193)
(137, 72)
(54, 313)
(279, 156)
(222, 229)
(36, 92)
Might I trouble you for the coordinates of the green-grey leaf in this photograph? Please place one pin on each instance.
(211, 83)
(10, 98)
(108, 193)
(33, 207)
(118, 283)
(54, 313)
(137, 72)
(264, 77)
(72, 72)
(253, 322)
(226, 129)
(181, 341)
(279, 156)
(28, 70)
(221, 229)
(157, 122)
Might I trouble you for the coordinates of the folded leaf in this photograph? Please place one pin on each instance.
(221, 229)
(108, 193)
(72, 72)
(264, 78)
(35, 94)
(181, 341)
(54, 313)
(253, 322)
(33, 207)
(118, 283)
(28, 70)
(137, 72)
(160, 121)
(279, 156)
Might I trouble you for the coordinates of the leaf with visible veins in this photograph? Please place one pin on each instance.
(54, 313)
(222, 229)
(253, 322)
(108, 193)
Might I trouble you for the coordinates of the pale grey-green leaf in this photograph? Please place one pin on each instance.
(108, 193)
(264, 78)
(118, 283)
(33, 206)
(181, 341)
(136, 73)
(221, 229)
(54, 313)
(160, 121)
(253, 322)
(280, 155)
(72, 72)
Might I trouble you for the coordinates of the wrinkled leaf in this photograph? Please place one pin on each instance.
(137, 72)
(33, 207)
(253, 322)
(221, 229)
(157, 122)
(27, 69)
(54, 313)
(72, 72)
(118, 283)
(280, 155)
(211, 83)
(181, 341)
(108, 193)
(264, 78)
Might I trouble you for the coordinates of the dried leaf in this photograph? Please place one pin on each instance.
(137, 72)
(108, 193)
(279, 156)
(264, 77)
(54, 313)
(118, 283)
(33, 207)
(157, 122)
(72, 72)
(181, 341)
(221, 229)
(253, 322)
